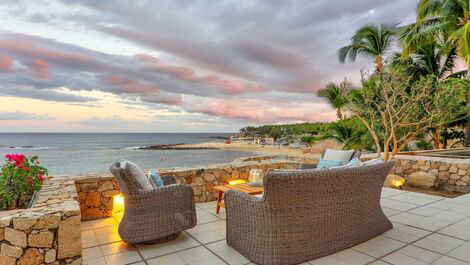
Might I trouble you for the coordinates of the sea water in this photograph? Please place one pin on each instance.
(73, 154)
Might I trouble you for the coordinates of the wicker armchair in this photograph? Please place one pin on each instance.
(157, 215)
(356, 154)
(307, 214)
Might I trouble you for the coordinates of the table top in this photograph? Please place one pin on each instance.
(243, 187)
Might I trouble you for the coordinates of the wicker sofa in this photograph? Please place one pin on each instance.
(153, 215)
(307, 214)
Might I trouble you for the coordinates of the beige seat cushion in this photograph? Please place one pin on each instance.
(137, 174)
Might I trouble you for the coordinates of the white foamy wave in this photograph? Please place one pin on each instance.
(133, 148)
(27, 147)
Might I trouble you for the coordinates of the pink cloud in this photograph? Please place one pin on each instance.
(5, 63)
(31, 49)
(130, 86)
(146, 58)
(229, 87)
(41, 69)
(262, 111)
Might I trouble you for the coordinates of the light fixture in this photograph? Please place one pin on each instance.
(118, 203)
(237, 181)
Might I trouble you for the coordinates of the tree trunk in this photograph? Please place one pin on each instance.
(379, 65)
(467, 123)
(373, 134)
(339, 114)
(436, 139)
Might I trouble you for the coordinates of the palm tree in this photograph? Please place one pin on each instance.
(370, 41)
(336, 96)
(448, 21)
(350, 132)
(429, 58)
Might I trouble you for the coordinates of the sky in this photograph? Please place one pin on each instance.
(176, 65)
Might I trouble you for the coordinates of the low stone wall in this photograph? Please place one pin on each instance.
(451, 174)
(49, 232)
(205, 178)
(95, 195)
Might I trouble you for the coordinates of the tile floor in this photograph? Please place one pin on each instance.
(427, 230)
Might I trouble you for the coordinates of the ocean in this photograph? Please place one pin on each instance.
(74, 154)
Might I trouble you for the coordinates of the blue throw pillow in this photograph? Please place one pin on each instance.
(157, 180)
(328, 163)
(354, 161)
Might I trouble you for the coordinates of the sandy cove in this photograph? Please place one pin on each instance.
(255, 148)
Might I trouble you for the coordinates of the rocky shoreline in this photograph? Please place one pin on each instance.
(176, 147)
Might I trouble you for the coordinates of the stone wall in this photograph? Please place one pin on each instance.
(451, 174)
(47, 233)
(95, 195)
(205, 178)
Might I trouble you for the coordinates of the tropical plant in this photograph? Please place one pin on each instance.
(403, 108)
(20, 176)
(309, 140)
(444, 20)
(370, 41)
(336, 96)
(447, 21)
(351, 133)
(424, 145)
(429, 58)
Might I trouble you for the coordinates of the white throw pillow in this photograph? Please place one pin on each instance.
(372, 162)
(137, 174)
(343, 156)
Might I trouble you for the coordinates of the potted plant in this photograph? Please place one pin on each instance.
(20, 178)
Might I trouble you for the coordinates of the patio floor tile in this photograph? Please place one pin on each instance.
(439, 243)
(462, 252)
(114, 248)
(227, 253)
(397, 205)
(423, 222)
(402, 259)
(420, 253)
(91, 253)
(448, 261)
(406, 234)
(95, 261)
(457, 230)
(353, 257)
(122, 258)
(173, 259)
(379, 246)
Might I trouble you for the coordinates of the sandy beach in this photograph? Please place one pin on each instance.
(250, 147)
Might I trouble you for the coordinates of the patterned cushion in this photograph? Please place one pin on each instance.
(343, 156)
(324, 163)
(137, 175)
(155, 179)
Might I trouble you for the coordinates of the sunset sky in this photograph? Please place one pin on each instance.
(176, 65)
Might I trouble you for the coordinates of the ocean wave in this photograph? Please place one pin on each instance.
(133, 148)
(27, 147)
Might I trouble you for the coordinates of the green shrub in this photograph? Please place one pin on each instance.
(424, 145)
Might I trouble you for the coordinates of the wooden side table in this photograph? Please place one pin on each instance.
(244, 187)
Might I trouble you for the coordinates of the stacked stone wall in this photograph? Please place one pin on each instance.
(451, 174)
(95, 195)
(47, 233)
